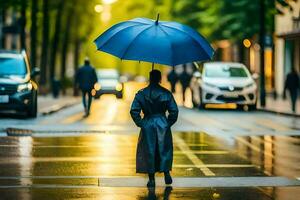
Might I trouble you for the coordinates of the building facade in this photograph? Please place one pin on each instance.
(287, 42)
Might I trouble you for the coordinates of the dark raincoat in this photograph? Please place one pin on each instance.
(155, 145)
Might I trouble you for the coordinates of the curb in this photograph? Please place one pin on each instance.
(278, 112)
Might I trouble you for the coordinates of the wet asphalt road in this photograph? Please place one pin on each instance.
(70, 157)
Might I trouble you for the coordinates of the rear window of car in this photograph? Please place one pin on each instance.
(12, 66)
(225, 71)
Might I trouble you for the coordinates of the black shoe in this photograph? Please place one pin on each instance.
(168, 178)
(151, 184)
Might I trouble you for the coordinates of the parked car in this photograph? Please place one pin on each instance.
(108, 83)
(18, 91)
(224, 82)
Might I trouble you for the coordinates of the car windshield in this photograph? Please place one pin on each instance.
(225, 72)
(12, 66)
(108, 74)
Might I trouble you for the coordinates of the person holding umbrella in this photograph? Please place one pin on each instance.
(160, 42)
(155, 146)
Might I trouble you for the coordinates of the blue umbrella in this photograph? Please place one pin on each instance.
(163, 42)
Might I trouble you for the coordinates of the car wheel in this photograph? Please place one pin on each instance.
(32, 111)
(119, 95)
(195, 105)
(252, 107)
(201, 104)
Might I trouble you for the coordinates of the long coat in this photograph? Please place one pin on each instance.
(155, 145)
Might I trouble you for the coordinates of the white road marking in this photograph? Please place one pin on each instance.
(195, 160)
(182, 182)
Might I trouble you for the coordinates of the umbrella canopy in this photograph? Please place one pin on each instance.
(168, 43)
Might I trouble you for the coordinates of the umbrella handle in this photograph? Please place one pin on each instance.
(152, 66)
(157, 18)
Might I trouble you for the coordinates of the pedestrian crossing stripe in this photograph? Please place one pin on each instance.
(194, 159)
(178, 182)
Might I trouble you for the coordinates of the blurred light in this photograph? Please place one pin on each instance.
(119, 87)
(97, 86)
(108, 1)
(98, 8)
(247, 43)
(93, 92)
(106, 15)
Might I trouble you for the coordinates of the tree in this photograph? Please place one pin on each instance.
(65, 44)
(56, 38)
(33, 33)
(23, 24)
(45, 43)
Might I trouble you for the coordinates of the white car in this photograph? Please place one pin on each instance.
(224, 82)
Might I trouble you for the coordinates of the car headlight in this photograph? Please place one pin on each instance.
(25, 87)
(249, 85)
(119, 87)
(97, 86)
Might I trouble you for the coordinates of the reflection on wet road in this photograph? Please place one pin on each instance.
(67, 162)
(195, 154)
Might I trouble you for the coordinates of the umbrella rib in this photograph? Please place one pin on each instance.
(127, 48)
(115, 34)
(168, 36)
(188, 36)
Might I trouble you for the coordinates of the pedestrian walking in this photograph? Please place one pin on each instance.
(155, 146)
(185, 79)
(292, 84)
(85, 78)
(172, 78)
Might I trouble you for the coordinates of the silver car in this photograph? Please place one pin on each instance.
(108, 83)
(224, 82)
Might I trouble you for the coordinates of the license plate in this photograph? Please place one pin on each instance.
(231, 95)
(4, 98)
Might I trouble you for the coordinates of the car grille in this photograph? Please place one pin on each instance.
(8, 89)
(226, 88)
(231, 99)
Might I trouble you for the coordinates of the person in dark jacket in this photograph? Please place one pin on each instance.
(292, 84)
(85, 78)
(155, 146)
(185, 79)
(172, 78)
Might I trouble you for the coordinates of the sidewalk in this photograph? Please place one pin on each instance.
(280, 106)
(47, 104)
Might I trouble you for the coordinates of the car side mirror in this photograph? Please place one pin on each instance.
(35, 71)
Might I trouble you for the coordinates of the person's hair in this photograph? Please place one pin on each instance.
(155, 76)
(86, 61)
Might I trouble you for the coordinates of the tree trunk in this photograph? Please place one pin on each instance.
(33, 31)
(23, 24)
(65, 48)
(45, 43)
(3, 21)
(55, 40)
(76, 61)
